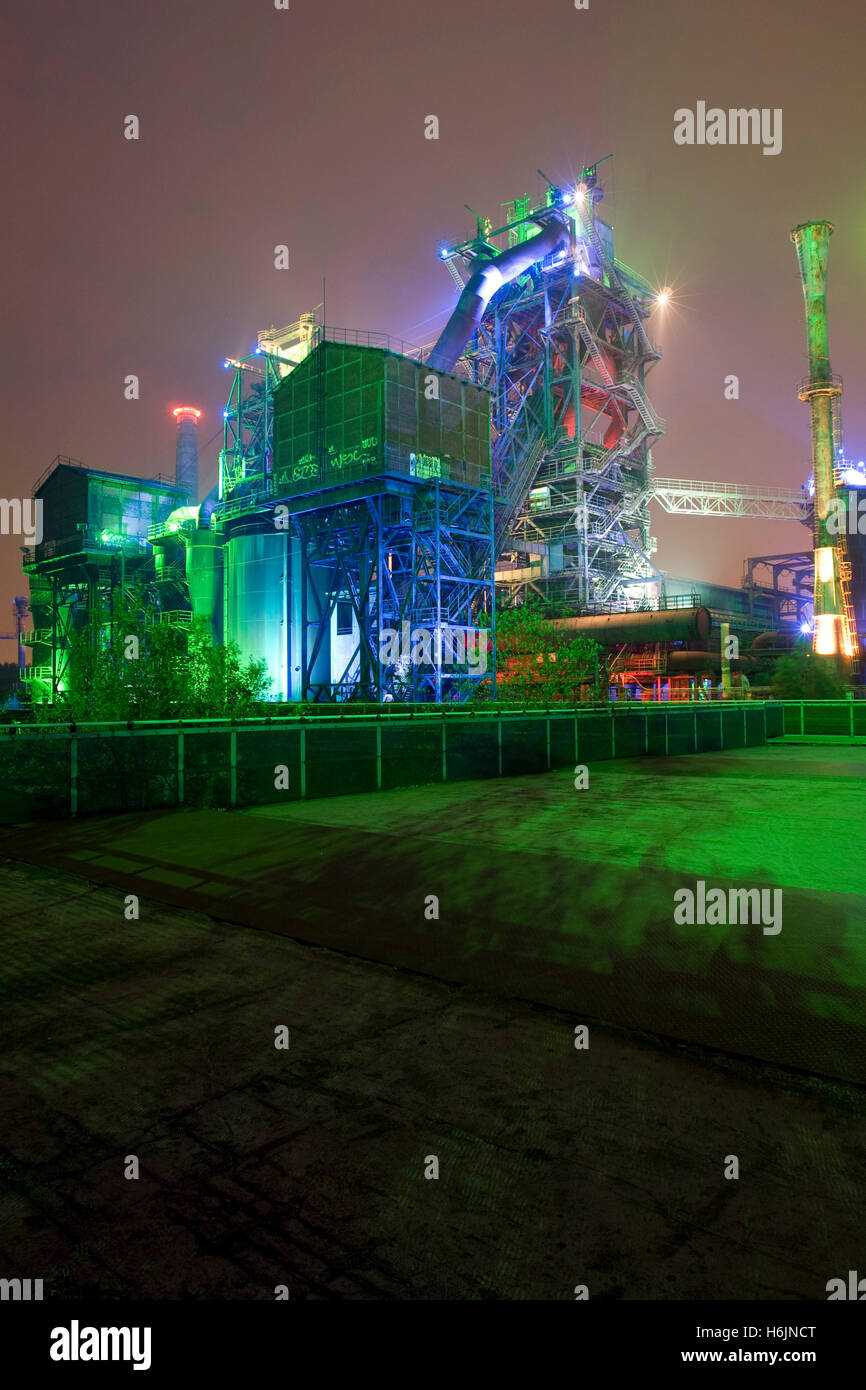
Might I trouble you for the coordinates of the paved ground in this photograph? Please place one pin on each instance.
(550, 894)
(604, 1166)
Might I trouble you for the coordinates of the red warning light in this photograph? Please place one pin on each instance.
(186, 412)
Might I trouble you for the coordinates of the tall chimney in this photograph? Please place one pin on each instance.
(186, 466)
(832, 637)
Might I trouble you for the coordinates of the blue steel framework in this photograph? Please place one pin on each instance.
(409, 558)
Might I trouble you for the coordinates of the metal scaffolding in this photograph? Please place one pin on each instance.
(418, 560)
(564, 351)
(786, 580)
(248, 421)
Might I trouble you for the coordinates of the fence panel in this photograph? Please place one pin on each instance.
(681, 729)
(207, 767)
(267, 760)
(593, 736)
(341, 759)
(524, 746)
(820, 718)
(562, 741)
(733, 728)
(472, 748)
(774, 719)
(709, 728)
(629, 734)
(411, 753)
(125, 772)
(34, 776)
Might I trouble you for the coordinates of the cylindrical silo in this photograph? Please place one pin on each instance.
(204, 568)
(256, 582)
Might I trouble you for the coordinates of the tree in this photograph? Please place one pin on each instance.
(135, 668)
(540, 664)
(803, 675)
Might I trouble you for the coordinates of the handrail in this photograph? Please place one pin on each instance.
(612, 709)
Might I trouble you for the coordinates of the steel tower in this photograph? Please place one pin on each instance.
(564, 350)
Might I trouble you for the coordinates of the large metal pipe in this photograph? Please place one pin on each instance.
(657, 625)
(812, 241)
(680, 660)
(482, 286)
(774, 641)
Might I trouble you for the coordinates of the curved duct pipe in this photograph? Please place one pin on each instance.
(482, 286)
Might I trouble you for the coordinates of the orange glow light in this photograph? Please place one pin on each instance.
(826, 638)
(824, 564)
(188, 412)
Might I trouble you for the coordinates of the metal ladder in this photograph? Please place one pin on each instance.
(848, 618)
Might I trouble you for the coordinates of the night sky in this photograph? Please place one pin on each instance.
(306, 127)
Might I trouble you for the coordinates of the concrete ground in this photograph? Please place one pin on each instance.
(412, 1036)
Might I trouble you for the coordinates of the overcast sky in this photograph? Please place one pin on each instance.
(261, 126)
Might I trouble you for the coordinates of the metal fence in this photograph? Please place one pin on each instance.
(55, 771)
(842, 718)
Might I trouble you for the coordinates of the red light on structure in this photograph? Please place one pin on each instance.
(186, 412)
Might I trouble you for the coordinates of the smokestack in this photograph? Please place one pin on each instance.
(832, 635)
(186, 466)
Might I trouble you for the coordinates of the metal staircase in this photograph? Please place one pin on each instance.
(608, 262)
(518, 485)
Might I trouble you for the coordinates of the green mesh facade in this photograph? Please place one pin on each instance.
(349, 412)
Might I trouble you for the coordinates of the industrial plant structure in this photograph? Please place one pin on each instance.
(369, 487)
(94, 548)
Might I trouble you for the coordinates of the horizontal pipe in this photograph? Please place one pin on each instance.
(657, 625)
(680, 661)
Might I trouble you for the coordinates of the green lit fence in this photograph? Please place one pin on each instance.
(52, 771)
(843, 718)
